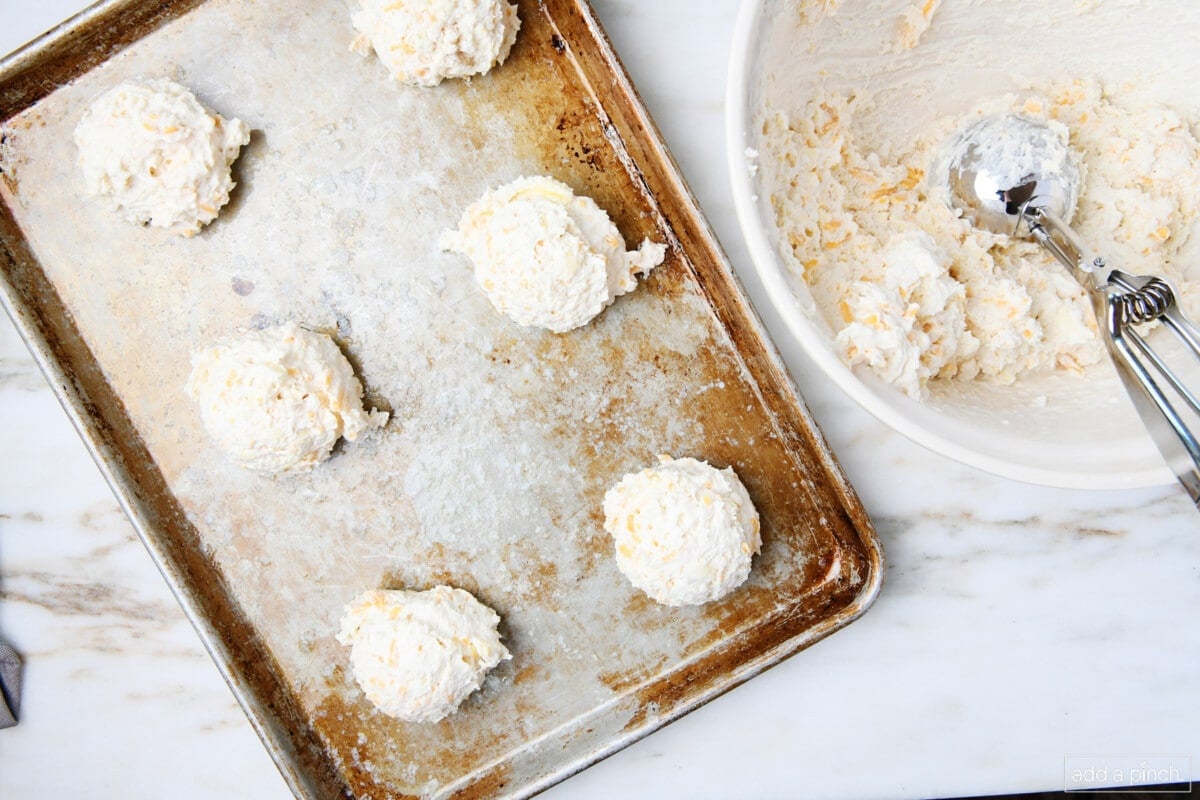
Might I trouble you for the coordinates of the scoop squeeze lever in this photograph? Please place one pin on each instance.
(1013, 175)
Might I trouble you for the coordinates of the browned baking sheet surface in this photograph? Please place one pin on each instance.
(503, 439)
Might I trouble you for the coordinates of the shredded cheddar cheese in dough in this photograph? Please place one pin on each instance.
(546, 257)
(418, 655)
(684, 531)
(277, 400)
(423, 42)
(157, 156)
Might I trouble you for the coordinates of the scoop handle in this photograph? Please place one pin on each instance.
(1149, 380)
(1122, 302)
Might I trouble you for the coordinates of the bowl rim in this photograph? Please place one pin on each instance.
(768, 267)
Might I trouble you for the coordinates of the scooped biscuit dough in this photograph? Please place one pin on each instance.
(157, 156)
(277, 400)
(424, 42)
(685, 531)
(546, 257)
(418, 655)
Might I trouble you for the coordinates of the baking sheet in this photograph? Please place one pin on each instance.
(503, 439)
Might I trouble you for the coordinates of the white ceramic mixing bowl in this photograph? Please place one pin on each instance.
(1057, 430)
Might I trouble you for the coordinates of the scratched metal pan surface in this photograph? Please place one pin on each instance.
(502, 440)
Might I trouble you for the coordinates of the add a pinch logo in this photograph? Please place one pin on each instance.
(1151, 774)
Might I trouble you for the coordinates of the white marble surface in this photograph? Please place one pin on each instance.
(1017, 624)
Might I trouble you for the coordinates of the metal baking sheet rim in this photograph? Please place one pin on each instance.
(68, 397)
(73, 399)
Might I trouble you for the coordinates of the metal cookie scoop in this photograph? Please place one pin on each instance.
(1013, 175)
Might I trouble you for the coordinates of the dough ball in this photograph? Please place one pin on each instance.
(157, 156)
(277, 400)
(422, 42)
(684, 531)
(545, 257)
(418, 655)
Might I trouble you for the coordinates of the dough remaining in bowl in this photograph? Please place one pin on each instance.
(546, 257)
(423, 43)
(1060, 422)
(919, 294)
(685, 531)
(277, 400)
(158, 156)
(418, 655)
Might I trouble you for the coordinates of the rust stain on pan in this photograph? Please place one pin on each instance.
(366, 754)
(680, 366)
(620, 682)
(63, 56)
(561, 124)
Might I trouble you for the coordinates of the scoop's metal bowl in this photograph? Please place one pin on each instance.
(1004, 163)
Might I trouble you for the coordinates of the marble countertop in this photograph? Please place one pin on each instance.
(1018, 625)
